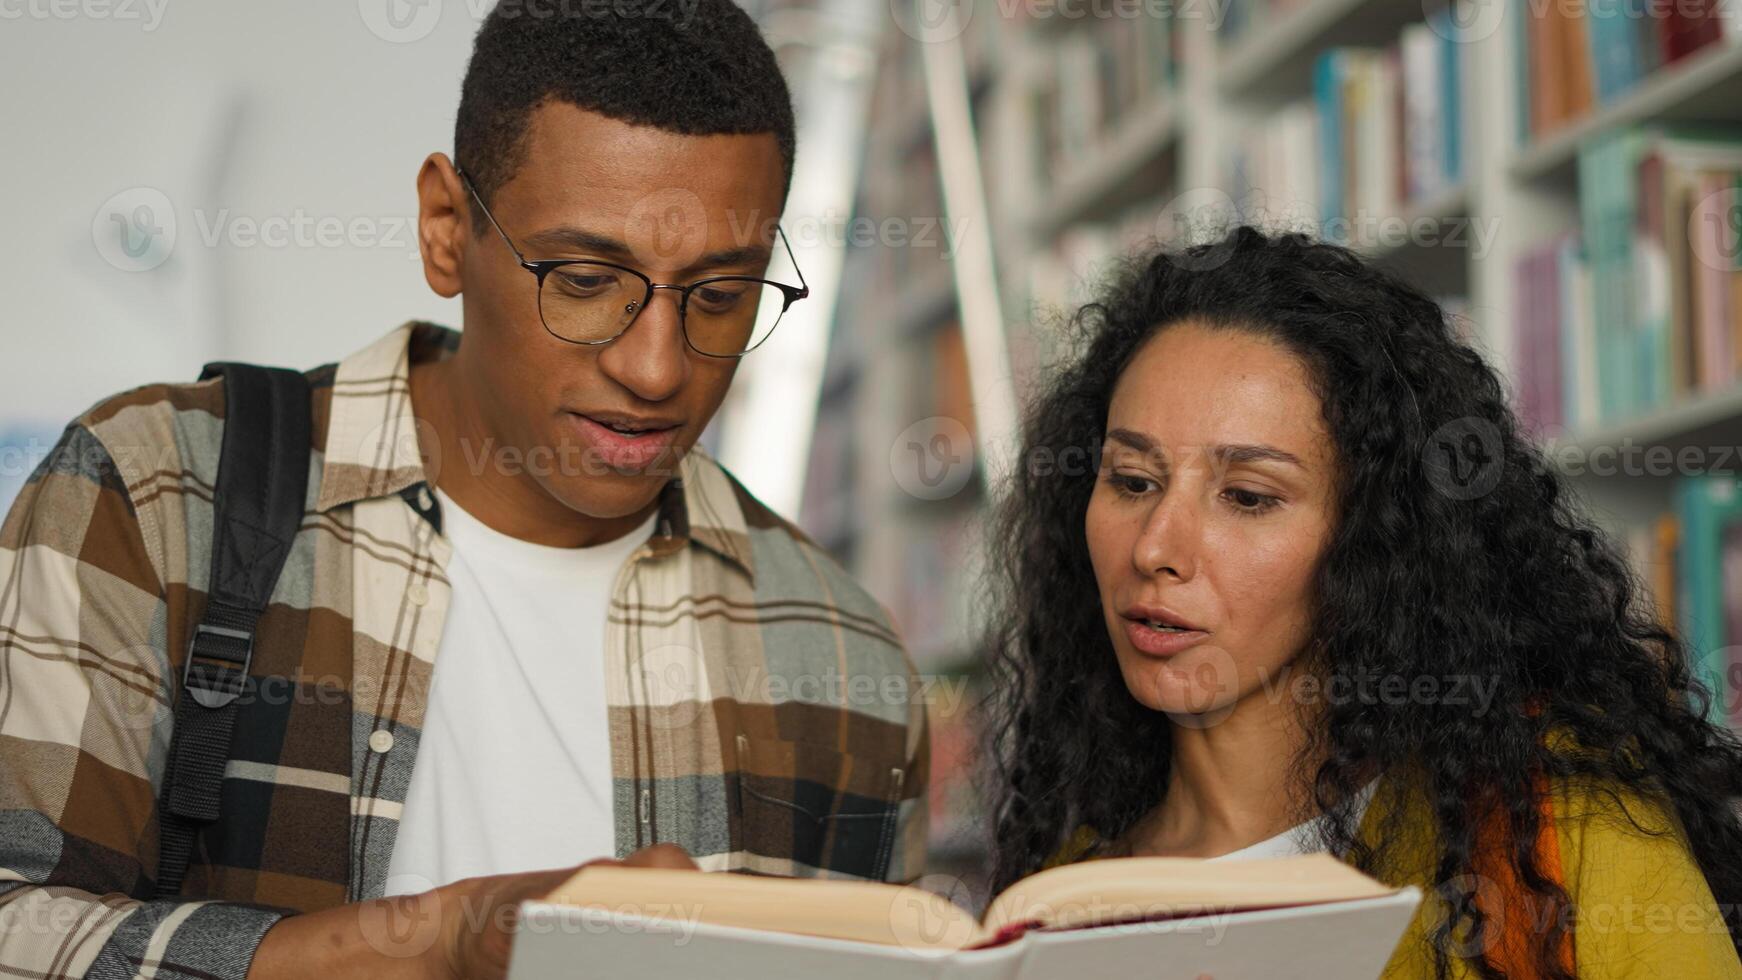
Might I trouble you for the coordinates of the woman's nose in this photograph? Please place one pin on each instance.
(1169, 542)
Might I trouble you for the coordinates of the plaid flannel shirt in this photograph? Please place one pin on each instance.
(763, 715)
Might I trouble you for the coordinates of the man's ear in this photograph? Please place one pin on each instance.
(444, 224)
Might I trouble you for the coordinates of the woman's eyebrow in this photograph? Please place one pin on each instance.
(1136, 440)
(1256, 454)
(1226, 454)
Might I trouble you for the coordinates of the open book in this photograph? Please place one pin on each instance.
(1298, 916)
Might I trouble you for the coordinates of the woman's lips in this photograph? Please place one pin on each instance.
(1160, 643)
(620, 451)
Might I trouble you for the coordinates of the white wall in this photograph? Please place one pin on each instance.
(236, 112)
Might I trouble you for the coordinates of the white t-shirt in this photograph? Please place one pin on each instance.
(513, 766)
(1301, 838)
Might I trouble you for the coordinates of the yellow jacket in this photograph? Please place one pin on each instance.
(1641, 907)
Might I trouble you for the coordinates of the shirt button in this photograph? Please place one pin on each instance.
(418, 594)
(380, 740)
(424, 501)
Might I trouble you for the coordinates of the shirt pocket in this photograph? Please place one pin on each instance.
(803, 807)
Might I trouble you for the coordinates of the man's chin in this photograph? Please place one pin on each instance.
(612, 495)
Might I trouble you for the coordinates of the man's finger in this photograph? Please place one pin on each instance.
(662, 856)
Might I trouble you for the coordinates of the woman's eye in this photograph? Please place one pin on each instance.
(1250, 500)
(1128, 485)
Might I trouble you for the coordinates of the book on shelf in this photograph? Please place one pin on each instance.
(1708, 583)
(1095, 78)
(1433, 106)
(1730, 579)
(1276, 169)
(1538, 335)
(1305, 917)
(1691, 557)
(1381, 132)
(1642, 307)
(1576, 57)
(1554, 350)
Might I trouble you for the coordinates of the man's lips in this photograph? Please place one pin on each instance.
(622, 442)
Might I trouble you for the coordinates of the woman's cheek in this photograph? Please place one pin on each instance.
(1266, 589)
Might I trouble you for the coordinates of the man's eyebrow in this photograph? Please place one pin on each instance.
(744, 255)
(1227, 454)
(578, 240)
(581, 240)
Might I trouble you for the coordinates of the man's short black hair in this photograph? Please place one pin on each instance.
(696, 67)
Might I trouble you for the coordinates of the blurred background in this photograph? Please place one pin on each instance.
(192, 180)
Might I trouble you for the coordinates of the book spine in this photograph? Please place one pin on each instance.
(1451, 104)
(1423, 108)
(1730, 568)
(1613, 47)
(1328, 94)
(1712, 283)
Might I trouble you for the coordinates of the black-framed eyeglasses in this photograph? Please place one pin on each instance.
(593, 303)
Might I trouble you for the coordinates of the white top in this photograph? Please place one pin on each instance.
(513, 767)
(1302, 838)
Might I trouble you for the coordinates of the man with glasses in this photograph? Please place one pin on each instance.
(526, 623)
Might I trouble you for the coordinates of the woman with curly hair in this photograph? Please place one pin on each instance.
(1279, 573)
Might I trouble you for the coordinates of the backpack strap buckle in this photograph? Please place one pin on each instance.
(217, 669)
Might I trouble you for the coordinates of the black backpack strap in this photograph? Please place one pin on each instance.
(262, 483)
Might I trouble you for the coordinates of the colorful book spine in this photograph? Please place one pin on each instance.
(1451, 91)
(1709, 509)
(1614, 46)
(1730, 561)
(1579, 396)
(1328, 78)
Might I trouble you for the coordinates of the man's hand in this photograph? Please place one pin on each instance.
(463, 930)
(479, 915)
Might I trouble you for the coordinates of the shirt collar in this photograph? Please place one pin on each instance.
(372, 449)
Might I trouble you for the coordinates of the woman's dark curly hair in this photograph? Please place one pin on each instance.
(1423, 575)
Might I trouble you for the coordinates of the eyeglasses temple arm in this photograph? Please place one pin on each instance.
(794, 259)
(505, 239)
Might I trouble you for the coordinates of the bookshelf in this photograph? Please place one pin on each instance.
(1176, 139)
(1274, 53)
(1702, 420)
(1703, 87)
(1123, 171)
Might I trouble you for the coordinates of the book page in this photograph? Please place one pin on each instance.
(1130, 889)
(865, 911)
